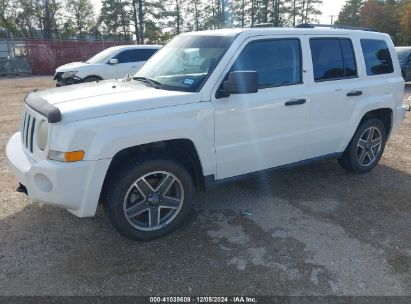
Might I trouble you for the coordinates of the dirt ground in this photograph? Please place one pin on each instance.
(315, 230)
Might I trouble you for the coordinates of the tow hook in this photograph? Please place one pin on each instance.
(22, 189)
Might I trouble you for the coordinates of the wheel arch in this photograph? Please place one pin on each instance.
(383, 114)
(93, 76)
(181, 150)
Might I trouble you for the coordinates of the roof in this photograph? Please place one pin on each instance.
(136, 46)
(282, 31)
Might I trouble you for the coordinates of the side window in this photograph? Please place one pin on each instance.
(333, 58)
(125, 56)
(141, 54)
(350, 66)
(377, 57)
(277, 61)
(135, 55)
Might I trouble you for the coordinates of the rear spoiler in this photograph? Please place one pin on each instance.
(40, 105)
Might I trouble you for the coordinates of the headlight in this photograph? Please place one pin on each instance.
(69, 74)
(42, 135)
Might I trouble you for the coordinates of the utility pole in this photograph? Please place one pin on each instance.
(223, 17)
(294, 12)
(332, 19)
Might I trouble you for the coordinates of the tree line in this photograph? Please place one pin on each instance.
(146, 21)
(388, 16)
(156, 21)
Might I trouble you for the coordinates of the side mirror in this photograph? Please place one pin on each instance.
(241, 82)
(113, 61)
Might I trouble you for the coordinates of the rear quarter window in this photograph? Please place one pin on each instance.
(377, 57)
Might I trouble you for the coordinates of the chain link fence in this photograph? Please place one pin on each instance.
(13, 59)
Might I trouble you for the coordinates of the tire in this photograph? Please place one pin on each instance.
(129, 193)
(92, 78)
(363, 153)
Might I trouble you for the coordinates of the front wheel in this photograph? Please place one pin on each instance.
(92, 79)
(149, 199)
(366, 147)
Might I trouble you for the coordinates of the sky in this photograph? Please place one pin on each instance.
(329, 7)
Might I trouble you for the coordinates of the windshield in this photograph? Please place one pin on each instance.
(101, 57)
(185, 62)
(403, 54)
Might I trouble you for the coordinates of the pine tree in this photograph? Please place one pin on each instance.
(115, 18)
(350, 13)
(406, 22)
(40, 15)
(311, 10)
(82, 14)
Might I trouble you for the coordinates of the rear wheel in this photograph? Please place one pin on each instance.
(149, 199)
(366, 147)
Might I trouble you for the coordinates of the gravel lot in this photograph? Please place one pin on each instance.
(315, 230)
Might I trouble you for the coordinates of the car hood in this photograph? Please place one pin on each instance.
(95, 99)
(74, 66)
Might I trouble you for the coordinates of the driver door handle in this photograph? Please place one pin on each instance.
(295, 102)
(354, 93)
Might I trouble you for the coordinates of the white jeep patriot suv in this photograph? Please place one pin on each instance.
(206, 109)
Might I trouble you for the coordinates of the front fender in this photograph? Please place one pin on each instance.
(104, 137)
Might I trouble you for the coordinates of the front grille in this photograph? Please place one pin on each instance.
(27, 131)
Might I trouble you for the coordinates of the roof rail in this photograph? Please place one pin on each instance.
(264, 25)
(336, 26)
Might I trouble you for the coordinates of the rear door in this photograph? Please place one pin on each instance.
(335, 92)
(266, 129)
(140, 56)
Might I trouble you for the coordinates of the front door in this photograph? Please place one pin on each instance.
(265, 129)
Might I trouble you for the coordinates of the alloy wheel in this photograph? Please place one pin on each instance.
(153, 200)
(369, 146)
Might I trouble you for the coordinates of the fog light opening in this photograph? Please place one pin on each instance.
(43, 183)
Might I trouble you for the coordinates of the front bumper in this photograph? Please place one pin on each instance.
(73, 186)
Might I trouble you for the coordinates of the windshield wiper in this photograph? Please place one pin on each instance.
(154, 83)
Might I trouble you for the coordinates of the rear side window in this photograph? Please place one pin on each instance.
(143, 54)
(135, 55)
(333, 58)
(277, 62)
(377, 57)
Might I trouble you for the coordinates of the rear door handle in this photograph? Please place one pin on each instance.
(295, 102)
(354, 93)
